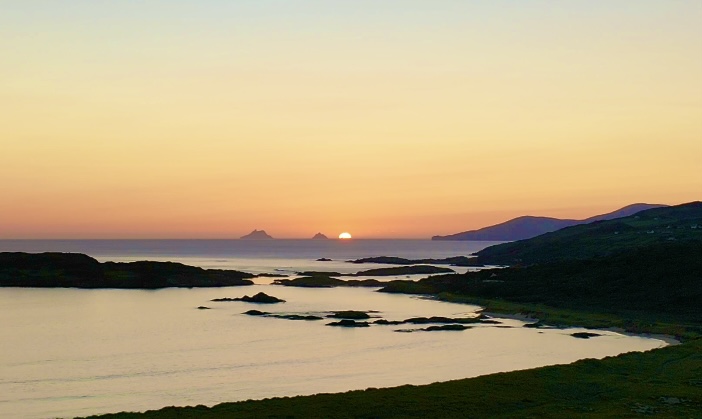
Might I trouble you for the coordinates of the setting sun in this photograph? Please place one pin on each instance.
(344, 235)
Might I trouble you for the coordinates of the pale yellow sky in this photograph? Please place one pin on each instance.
(404, 119)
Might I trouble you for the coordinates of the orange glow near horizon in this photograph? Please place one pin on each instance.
(391, 122)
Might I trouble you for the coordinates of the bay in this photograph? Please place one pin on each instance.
(70, 352)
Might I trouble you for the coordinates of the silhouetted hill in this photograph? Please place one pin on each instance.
(74, 270)
(320, 236)
(663, 278)
(600, 238)
(526, 227)
(257, 235)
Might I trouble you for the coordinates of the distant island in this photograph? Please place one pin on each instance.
(257, 235)
(320, 236)
(76, 270)
(526, 227)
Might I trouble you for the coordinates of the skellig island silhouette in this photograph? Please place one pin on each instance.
(257, 235)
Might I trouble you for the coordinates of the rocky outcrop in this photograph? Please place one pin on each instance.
(348, 323)
(406, 270)
(584, 335)
(260, 298)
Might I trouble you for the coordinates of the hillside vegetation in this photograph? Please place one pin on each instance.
(682, 223)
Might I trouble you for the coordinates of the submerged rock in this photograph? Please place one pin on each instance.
(348, 323)
(307, 317)
(388, 322)
(350, 314)
(203, 308)
(448, 320)
(449, 327)
(283, 316)
(446, 327)
(584, 335)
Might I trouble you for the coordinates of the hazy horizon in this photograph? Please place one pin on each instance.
(400, 119)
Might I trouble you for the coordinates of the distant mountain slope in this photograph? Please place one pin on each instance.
(600, 238)
(526, 227)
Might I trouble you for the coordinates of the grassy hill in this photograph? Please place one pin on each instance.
(680, 223)
(657, 280)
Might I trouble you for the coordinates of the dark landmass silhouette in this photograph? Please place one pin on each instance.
(647, 262)
(260, 298)
(257, 235)
(405, 270)
(526, 227)
(322, 281)
(393, 260)
(320, 236)
(602, 238)
(75, 270)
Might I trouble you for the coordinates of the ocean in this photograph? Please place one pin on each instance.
(73, 352)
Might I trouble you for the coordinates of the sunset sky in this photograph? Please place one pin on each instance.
(211, 118)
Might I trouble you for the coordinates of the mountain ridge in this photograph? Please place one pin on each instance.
(679, 223)
(528, 226)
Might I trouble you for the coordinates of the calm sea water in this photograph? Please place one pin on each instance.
(70, 352)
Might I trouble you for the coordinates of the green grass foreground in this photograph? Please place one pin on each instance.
(665, 382)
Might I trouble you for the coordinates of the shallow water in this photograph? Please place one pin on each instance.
(69, 352)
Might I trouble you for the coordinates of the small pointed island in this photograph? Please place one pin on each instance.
(257, 235)
(320, 236)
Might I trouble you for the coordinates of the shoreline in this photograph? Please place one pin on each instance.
(668, 339)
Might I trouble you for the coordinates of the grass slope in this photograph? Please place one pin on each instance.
(663, 280)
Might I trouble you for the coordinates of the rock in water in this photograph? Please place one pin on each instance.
(261, 298)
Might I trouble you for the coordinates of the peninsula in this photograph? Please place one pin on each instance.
(75, 270)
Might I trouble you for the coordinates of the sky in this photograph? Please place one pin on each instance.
(387, 119)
